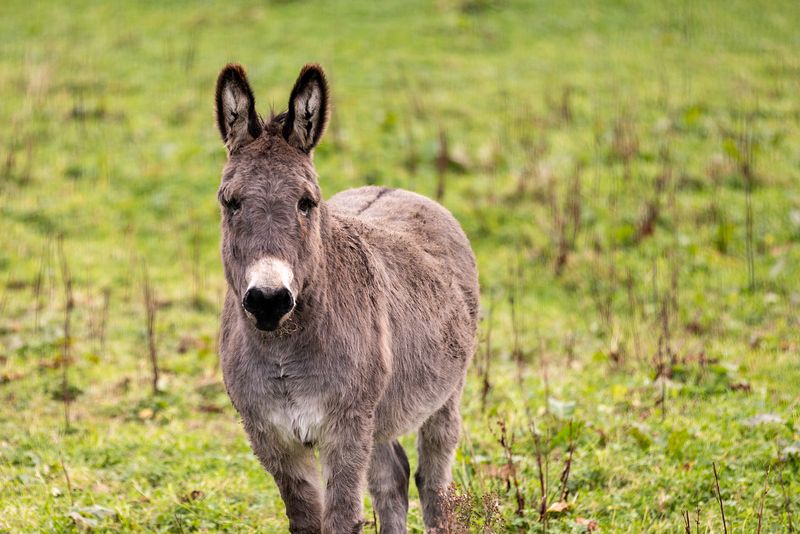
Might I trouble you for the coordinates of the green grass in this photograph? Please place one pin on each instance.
(108, 139)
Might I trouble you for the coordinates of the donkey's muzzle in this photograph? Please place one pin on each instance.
(268, 307)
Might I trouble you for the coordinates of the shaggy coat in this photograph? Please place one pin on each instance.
(347, 322)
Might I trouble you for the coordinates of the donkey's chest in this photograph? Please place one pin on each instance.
(283, 401)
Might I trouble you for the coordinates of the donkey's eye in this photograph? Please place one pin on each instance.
(233, 205)
(305, 204)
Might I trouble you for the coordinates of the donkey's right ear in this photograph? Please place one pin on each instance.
(237, 120)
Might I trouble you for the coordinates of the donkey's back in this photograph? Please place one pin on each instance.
(431, 226)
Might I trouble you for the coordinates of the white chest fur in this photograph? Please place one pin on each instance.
(296, 420)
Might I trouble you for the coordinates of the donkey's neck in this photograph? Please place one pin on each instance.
(343, 250)
(316, 293)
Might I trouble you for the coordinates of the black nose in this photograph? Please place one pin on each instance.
(268, 307)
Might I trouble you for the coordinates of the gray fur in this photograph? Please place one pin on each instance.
(376, 346)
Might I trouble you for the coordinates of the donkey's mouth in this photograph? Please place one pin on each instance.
(266, 322)
(275, 328)
(267, 325)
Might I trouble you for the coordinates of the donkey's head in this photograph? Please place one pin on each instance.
(271, 244)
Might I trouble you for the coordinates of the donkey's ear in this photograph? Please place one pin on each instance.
(237, 120)
(308, 109)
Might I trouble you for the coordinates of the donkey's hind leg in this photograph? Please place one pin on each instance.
(436, 444)
(388, 485)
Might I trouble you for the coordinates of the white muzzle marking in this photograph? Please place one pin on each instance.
(270, 274)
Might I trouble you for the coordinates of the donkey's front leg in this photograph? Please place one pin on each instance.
(294, 469)
(344, 454)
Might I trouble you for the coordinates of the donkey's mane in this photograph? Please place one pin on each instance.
(274, 125)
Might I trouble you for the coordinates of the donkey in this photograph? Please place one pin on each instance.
(346, 323)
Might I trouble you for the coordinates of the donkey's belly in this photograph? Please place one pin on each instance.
(429, 364)
(393, 420)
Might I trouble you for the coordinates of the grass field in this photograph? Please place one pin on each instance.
(627, 172)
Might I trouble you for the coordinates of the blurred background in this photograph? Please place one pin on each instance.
(627, 172)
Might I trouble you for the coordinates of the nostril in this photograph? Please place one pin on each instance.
(283, 301)
(253, 300)
(276, 303)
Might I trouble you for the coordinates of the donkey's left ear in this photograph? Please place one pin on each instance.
(308, 109)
